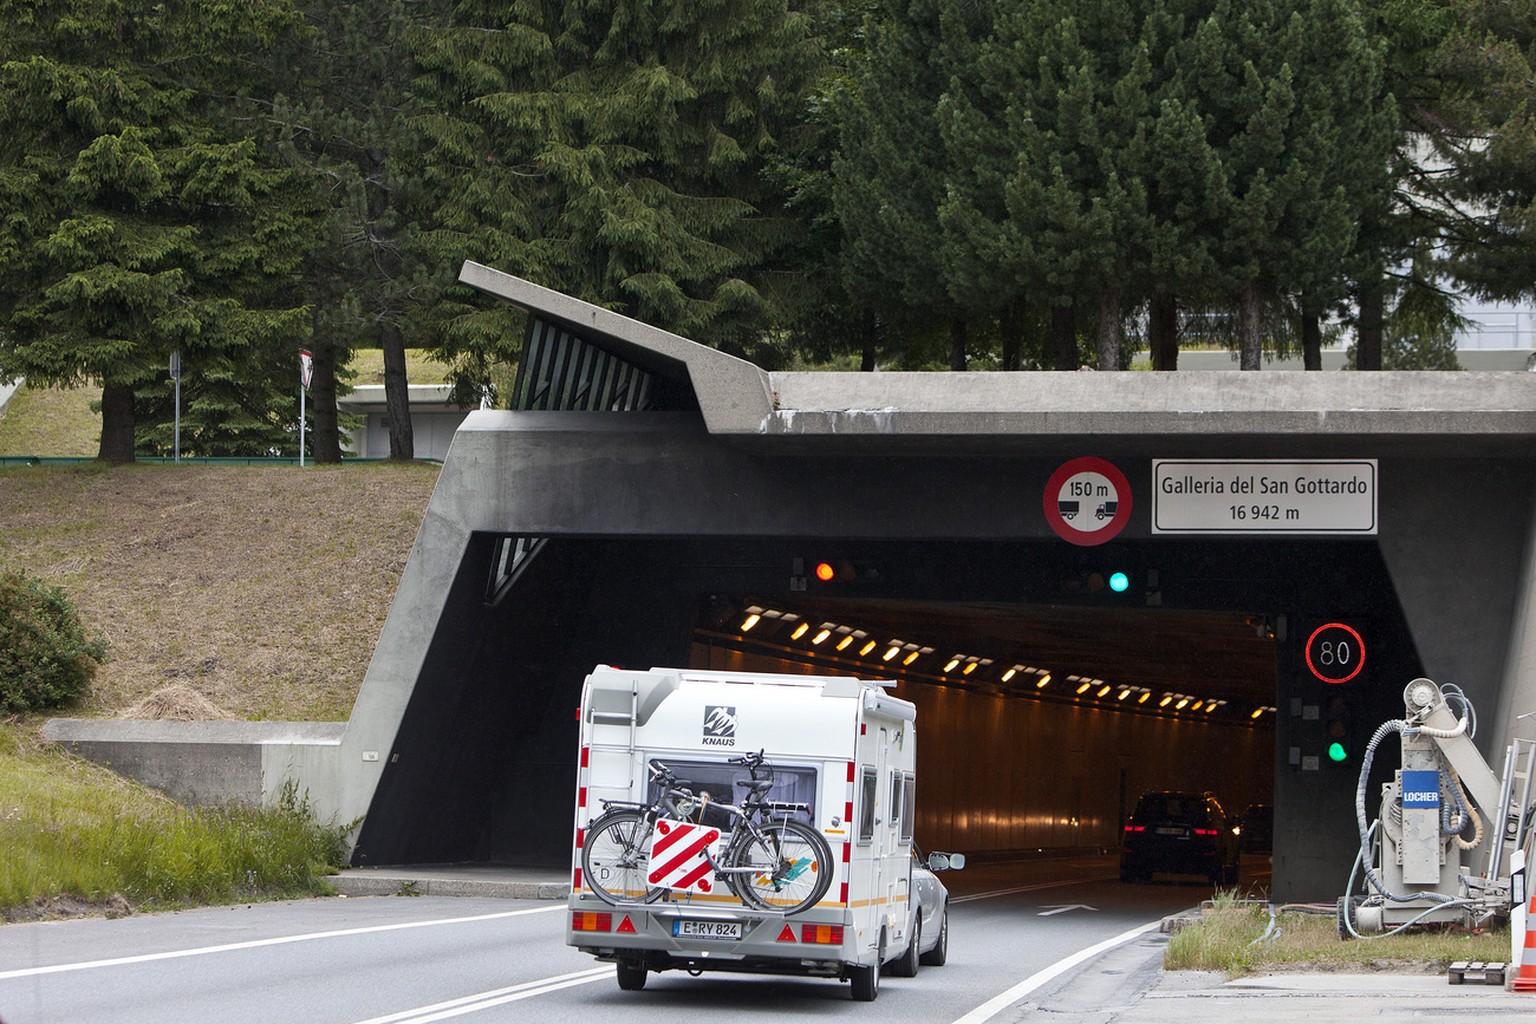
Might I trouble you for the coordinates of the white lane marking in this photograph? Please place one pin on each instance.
(173, 954)
(1000, 1002)
(1029, 888)
(494, 997)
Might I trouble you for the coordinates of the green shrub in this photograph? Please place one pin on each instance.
(47, 657)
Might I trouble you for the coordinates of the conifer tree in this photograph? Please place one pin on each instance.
(343, 112)
(893, 168)
(137, 215)
(614, 150)
(1293, 97)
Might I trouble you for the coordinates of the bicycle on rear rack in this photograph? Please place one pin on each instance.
(770, 861)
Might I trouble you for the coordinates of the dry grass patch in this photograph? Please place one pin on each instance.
(1240, 938)
(260, 590)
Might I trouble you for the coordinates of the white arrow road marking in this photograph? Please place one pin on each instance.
(486, 1000)
(1062, 908)
(173, 954)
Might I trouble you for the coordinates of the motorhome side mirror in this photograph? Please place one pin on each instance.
(946, 861)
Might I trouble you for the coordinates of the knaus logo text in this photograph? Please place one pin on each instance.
(719, 726)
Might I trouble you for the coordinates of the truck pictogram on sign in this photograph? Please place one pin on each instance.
(679, 857)
(1087, 501)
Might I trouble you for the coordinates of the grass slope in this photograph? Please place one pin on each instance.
(262, 589)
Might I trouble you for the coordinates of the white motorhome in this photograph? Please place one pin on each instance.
(685, 757)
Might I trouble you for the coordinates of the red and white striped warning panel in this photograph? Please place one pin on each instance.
(680, 856)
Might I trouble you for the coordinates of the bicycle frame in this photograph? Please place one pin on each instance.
(744, 828)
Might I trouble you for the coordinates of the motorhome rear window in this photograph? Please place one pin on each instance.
(793, 793)
(867, 789)
(908, 802)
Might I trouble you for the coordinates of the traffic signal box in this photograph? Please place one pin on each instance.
(828, 574)
(1327, 696)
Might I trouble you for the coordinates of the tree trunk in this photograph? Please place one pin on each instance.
(1009, 325)
(1249, 348)
(1311, 336)
(322, 406)
(1373, 301)
(397, 396)
(1063, 338)
(1109, 328)
(957, 344)
(1163, 331)
(868, 335)
(116, 424)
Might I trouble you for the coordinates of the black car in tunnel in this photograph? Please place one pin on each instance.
(1180, 833)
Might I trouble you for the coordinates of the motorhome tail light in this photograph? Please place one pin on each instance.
(591, 921)
(826, 934)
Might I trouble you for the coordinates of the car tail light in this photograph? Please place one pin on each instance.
(828, 934)
(1135, 828)
(591, 921)
(1206, 832)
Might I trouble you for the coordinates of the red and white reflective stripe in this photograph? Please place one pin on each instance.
(680, 856)
(846, 868)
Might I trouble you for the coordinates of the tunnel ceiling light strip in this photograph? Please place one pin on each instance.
(848, 636)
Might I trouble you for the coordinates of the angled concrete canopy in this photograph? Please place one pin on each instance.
(739, 400)
(760, 459)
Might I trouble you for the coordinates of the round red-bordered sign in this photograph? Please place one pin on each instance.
(1329, 646)
(1087, 501)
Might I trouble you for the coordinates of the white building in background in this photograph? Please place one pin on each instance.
(434, 418)
(1501, 336)
(1499, 327)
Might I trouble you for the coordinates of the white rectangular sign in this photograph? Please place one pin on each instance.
(1264, 496)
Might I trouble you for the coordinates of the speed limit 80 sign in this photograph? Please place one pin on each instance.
(1335, 653)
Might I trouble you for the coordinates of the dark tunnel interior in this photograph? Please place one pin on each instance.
(483, 769)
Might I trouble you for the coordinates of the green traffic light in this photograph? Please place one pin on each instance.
(1119, 582)
(1337, 753)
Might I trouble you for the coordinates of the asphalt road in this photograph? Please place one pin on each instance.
(389, 960)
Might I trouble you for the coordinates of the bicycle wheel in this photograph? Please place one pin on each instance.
(614, 858)
(791, 867)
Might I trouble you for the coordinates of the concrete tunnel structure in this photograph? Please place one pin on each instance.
(647, 491)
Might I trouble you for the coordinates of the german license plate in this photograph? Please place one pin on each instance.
(689, 928)
(1169, 831)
